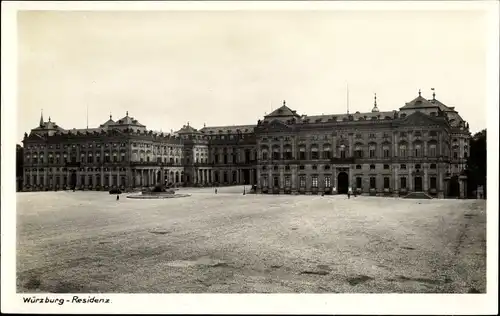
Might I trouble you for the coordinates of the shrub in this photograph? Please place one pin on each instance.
(115, 191)
(158, 188)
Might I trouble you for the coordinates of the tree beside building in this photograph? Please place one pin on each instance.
(19, 167)
(476, 164)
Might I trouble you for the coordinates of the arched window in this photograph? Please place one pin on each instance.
(276, 153)
(387, 151)
(402, 150)
(342, 151)
(358, 151)
(264, 153)
(287, 152)
(418, 150)
(302, 152)
(373, 151)
(326, 151)
(432, 150)
(314, 152)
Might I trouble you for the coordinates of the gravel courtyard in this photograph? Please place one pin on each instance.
(233, 243)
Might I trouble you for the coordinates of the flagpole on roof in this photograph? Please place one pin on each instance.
(87, 115)
(347, 98)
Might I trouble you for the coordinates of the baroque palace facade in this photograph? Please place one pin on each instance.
(422, 147)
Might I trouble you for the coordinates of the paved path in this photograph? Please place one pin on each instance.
(89, 242)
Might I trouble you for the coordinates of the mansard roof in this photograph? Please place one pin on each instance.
(186, 129)
(47, 126)
(108, 123)
(283, 111)
(442, 106)
(228, 129)
(418, 118)
(344, 117)
(127, 120)
(418, 103)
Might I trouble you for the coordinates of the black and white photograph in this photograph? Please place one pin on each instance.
(332, 151)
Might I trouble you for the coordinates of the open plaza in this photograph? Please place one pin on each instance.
(90, 242)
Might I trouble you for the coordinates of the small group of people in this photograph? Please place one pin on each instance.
(350, 192)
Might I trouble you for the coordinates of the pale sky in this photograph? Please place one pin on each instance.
(224, 68)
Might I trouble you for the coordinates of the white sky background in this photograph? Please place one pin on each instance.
(224, 68)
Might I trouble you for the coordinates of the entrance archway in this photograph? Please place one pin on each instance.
(73, 179)
(454, 187)
(246, 176)
(418, 184)
(342, 183)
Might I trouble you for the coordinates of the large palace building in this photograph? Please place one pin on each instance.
(422, 147)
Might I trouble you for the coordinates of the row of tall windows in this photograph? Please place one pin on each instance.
(359, 182)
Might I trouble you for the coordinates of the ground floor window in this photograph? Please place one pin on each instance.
(265, 183)
(276, 182)
(106, 180)
(315, 181)
(90, 181)
(65, 180)
(373, 182)
(98, 179)
(287, 181)
(359, 182)
(433, 183)
(122, 181)
(328, 182)
(41, 180)
(403, 183)
(302, 181)
(58, 180)
(387, 182)
(115, 180)
(82, 180)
